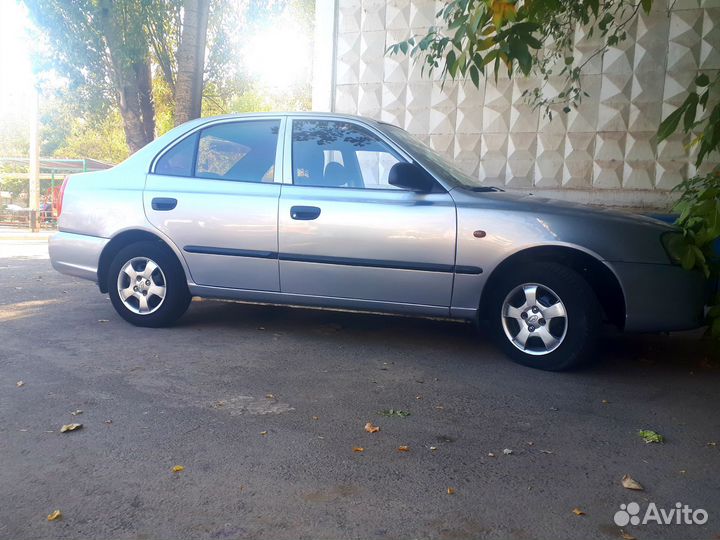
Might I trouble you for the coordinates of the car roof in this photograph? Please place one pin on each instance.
(328, 115)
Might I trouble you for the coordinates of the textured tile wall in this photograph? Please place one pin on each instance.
(605, 151)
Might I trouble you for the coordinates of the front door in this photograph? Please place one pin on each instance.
(346, 233)
(214, 195)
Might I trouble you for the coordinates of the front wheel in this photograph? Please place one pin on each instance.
(545, 315)
(147, 285)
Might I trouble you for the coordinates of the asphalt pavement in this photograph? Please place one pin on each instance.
(265, 408)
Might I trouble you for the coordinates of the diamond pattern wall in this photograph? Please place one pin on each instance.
(605, 151)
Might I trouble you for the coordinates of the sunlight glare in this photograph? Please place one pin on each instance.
(279, 55)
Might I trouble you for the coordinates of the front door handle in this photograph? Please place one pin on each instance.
(304, 213)
(163, 204)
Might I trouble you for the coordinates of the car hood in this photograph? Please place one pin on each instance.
(544, 205)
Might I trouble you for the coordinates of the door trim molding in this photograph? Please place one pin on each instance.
(340, 261)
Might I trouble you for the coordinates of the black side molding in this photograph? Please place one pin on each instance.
(341, 261)
(207, 250)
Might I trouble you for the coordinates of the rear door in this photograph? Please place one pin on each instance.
(215, 194)
(345, 232)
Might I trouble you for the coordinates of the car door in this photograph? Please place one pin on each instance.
(214, 194)
(345, 232)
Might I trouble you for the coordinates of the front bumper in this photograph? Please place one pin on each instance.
(76, 254)
(662, 298)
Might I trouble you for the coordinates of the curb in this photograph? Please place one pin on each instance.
(24, 238)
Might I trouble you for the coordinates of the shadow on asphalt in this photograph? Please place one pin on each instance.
(617, 352)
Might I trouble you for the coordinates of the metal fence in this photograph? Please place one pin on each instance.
(25, 219)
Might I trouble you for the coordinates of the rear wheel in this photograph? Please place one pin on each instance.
(147, 285)
(545, 315)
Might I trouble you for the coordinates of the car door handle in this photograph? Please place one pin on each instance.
(305, 213)
(163, 203)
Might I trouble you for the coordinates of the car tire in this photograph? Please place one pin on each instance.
(545, 315)
(147, 285)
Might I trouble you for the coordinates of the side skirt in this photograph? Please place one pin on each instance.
(328, 302)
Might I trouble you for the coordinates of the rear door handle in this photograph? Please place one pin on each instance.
(163, 204)
(304, 213)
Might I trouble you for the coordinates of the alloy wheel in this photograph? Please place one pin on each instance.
(534, 319)
(141, 285)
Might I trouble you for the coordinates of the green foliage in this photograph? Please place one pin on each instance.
(698, 116)
(532, 38)
(104, 51)
(104, 141)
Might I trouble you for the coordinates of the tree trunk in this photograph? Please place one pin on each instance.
(130, 69)
(145, 97)
(191, 61)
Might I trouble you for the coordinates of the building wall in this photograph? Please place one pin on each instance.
(605, 152)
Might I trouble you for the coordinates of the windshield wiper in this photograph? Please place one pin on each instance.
(485, 189)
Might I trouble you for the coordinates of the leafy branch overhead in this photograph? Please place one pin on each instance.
(535, 37)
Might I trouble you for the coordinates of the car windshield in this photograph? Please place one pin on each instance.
(434, 162)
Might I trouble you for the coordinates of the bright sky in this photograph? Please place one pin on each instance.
(15, 68)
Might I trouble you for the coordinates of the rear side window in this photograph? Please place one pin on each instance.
(178, 161)
(241, 151)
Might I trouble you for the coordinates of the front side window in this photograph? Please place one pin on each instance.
(240, 151)
(332, 153)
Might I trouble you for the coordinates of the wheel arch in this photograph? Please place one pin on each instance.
(598, 274)
(124, 239)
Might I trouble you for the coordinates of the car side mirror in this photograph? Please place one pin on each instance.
(411, 176)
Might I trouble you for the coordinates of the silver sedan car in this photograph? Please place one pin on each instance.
(345, 212)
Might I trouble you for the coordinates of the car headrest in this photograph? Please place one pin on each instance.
(335, 175)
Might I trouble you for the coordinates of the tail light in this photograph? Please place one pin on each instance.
(59, 203)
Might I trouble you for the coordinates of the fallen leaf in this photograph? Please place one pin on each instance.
(450, 491)
(178, 468)
(263, 433)
(578, 512)
(70, 427)
(605, 402)
(55, 515)
(626, 536)
(507, 451)
(358, 449)
(403, 448)
(651, 436)
(628, 482)
(316, 418)
(75, 413)
(19, 384)
(371, 428)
